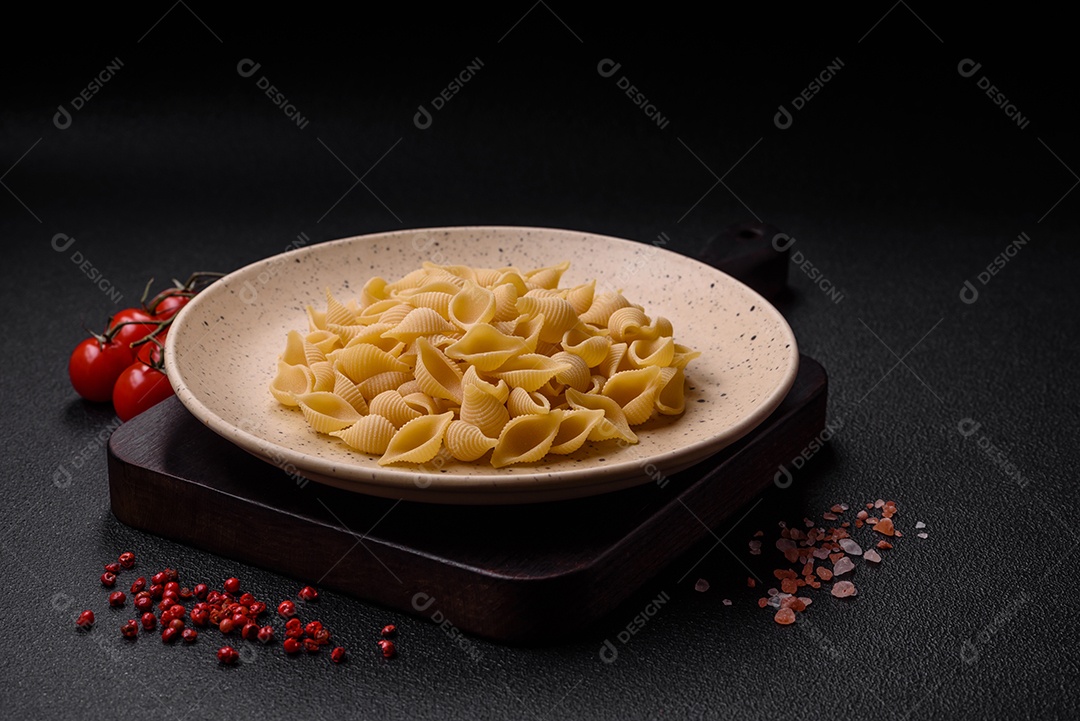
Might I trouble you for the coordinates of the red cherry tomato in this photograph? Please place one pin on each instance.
(150, 352)
(138, 388)
(169, 306)
(137, 324)
(94, 367)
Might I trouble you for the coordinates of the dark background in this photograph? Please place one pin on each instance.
(900, 180)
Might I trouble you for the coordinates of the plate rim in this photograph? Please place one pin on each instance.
(404, 482)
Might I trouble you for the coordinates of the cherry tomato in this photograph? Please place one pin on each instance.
(150, 352)
(138, 388)
(94, 367)
(137, 325)
(169, 306)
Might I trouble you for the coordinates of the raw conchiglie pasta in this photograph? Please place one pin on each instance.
(291, 381)
(526, 439)
(326, 412)
(466, 442)
(370, 434)
(418, 441)
(471, 362)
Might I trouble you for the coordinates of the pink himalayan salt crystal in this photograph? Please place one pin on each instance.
(844, 506)
(879, 503)
(784, 544)
(872, 556)
(838, 508)
(850, 547)
(759, 534)
(808, 522)
(842, 566)
(701, 586)
(727, 602)
(843, 589)
(920, 524)
(772, 591)
(821, 553)
(806, 600)
(922, 535)
(861, 515)
(829, 516)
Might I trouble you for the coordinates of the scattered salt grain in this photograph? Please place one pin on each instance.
(829, 516)
(772, 591)
(872, 556)
(784, 617)
(920, 524)
(838, 508)
(821, 553)
(727, 601)
(701, 586)
(843, 566)
(843, 589)
(879, 503)
(850, 546)
(922, 535)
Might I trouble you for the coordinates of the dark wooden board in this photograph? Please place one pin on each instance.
(528, 573)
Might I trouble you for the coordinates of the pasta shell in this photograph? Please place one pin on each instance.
(603, 305)
(418, 441)
(524, 403)
(559, 315)
(614, 424)
(483, 410)
(671, 398)
(436, 300)
(312, 354)
(316, 319)
(529, 371)
(325, 340)
(506, 297)
(581, 296)
(396, 314)
(683, 355)
(374, 312)
(294, 349)
(413, 280)
(326, 412)
(347, 390)
(635, 392)
(370, 434)
(363, 361)
(472, 305)
(574, 430)
(576, 375)
(500, 390)
(373, 291)
(663, 327)
(610, 365)
(419, 322)
(376, 384)
(423, 404)
(437, 375)
(626, 324)
(485, 348)
(466, 272)
(487, 277)
(324, 376)
(547, 277)
(526, 439)
(466, 442)
(373, 335)
(336, 312)
(592, 349)
(656, 352)
(391, 406)
(291, 381)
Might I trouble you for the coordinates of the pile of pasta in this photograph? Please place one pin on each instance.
(466, 361)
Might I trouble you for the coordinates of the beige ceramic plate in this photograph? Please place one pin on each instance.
(222, 351)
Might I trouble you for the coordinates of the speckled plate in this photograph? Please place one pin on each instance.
(222, 351)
